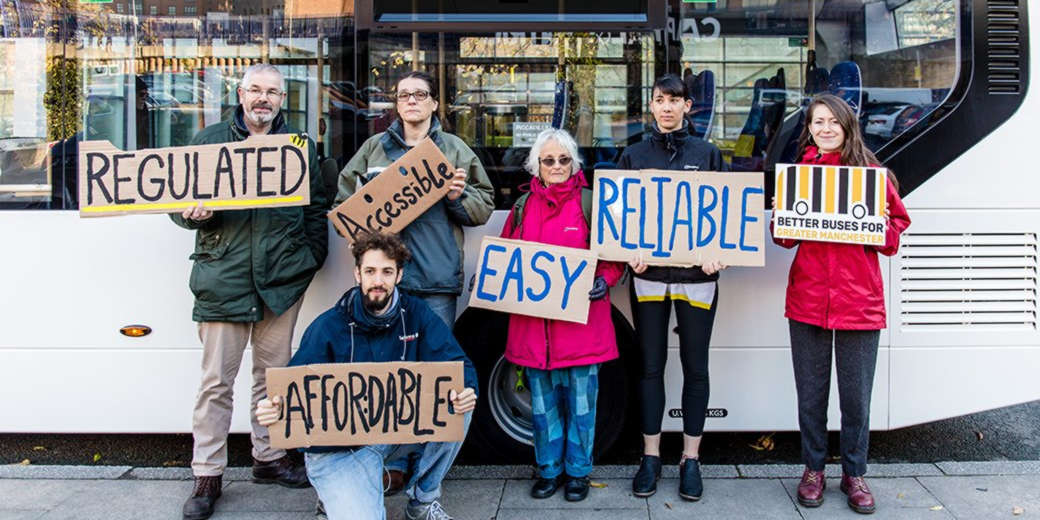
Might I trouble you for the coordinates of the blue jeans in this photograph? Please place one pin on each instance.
(350, 483)
(563, 406)
(443, 305)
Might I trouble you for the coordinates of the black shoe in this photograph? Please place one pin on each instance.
(576, 489)
(644, 483)
(280, 471)
(690, 485)
(200, 504)
(545, 487)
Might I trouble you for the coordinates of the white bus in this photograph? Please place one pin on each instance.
(962, 292)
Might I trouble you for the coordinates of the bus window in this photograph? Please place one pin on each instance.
(893, 61)
(497, 91)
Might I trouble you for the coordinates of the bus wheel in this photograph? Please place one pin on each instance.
(501, 430)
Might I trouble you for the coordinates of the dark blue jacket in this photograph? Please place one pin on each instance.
(411, 332)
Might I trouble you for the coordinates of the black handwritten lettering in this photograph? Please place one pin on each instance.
(244, 152)
(95, 176)
(438, 400)
(117, 179)
(261, 170)
(294, 390)
(141, 176)
(285, 168)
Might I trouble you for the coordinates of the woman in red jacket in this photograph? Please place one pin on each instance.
(561, 359)
(835, 296)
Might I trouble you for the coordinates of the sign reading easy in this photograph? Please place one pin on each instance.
(534, 279)
(349, 404)
(831, 204)
(397, 195)
(261, 171)
(678, 218)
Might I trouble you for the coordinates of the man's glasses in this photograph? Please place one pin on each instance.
(549, 162)
(272, 93)
(420, 95)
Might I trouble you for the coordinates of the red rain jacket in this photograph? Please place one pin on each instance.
(838, 286)
(553, 215)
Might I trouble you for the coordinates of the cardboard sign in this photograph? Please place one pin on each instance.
(831, 203)
(678, 218)
(261, 171)
(352, 404)
(397, 195)
(534, 279)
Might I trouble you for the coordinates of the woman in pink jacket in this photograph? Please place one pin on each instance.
(836, 309)
(561, 359)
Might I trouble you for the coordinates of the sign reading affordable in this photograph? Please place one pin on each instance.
(534, 279)
(678, 218)
(831, 203)
(261, 171)
(350, 404)
(397, 195)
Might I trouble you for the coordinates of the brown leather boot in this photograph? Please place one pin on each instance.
(393, 482)
(200, 504)
(810, 489)
(280, 471)
(860, 498)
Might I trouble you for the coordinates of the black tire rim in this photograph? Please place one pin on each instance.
(510, 408)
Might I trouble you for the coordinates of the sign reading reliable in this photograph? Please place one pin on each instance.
(831, 203)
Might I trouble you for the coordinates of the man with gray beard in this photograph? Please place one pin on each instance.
(251, 269)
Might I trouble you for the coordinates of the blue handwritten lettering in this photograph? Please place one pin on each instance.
(603, 215)
(541, 272)
(682, 187)
(722, 221)
(514, 271)
(486, 271)
(569, 278)
(745, 218)
(660, 252)
(704, 214)
(625, 210)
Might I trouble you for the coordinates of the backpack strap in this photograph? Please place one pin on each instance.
(518, 211)
(586, 206)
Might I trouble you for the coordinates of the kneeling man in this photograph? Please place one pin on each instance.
(374, 322)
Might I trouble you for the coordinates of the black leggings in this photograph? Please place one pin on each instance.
(651, 320)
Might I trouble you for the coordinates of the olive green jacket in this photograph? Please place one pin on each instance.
(245, 259)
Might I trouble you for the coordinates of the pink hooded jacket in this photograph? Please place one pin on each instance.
(553, 215)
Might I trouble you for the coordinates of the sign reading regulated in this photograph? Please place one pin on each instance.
(397, 195)
(534, 279)
(350, 404)
(261, 171)
(678, 218)
(831, 204)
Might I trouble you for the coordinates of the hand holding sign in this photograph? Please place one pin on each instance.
(464, 401)
(269, 410)
(197, 213)
(458, 184)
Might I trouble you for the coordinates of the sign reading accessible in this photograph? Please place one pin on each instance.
(534, 279)
(678, 218)
(261, 171)
(350, 404)
(397, 195)
(831, 203)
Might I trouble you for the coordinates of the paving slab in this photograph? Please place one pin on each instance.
(160, 474)
(724, 498)
(248, 496)
(39, 494)
(253, 515)
(28, 471)
(489, 472)
(780, 470)
(21, 514)
(998, 467)
(465, 500)
(573, 514)
(616, 495)
(896, 498)
(123, 500)
(987, 496)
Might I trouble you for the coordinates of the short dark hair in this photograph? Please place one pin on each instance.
(671, 84)
(389, 243)
(431, 83)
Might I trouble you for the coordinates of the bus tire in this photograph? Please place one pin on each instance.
(500, 432)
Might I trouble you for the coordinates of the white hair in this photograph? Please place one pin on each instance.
(247, 76)
(563, 139)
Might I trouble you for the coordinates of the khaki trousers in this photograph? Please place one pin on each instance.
(223, 344)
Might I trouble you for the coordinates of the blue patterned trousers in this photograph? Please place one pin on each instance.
(563, 403)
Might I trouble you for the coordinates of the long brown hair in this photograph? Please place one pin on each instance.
(854, 151)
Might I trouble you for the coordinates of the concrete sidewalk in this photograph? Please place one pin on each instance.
(1005, 489)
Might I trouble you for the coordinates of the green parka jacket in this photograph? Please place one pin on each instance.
(245, 259)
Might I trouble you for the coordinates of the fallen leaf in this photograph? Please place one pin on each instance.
(764, 443)
(1017, 511)
(39, 448)
(595, 484)
(901, 496)
(982, 489)
(668, 505)
(25, 462)
(97, 457)
(936, 508)
(979, 435)
(171, 463)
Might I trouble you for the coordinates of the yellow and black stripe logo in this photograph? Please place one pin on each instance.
(298, 140)
(840, 190)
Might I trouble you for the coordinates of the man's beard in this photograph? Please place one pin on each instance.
(375, 305)
(262, 119)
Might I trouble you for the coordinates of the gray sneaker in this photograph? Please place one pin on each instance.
(426, 511)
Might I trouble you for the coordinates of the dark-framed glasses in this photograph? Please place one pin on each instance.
(420, 95)
(549, 162)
